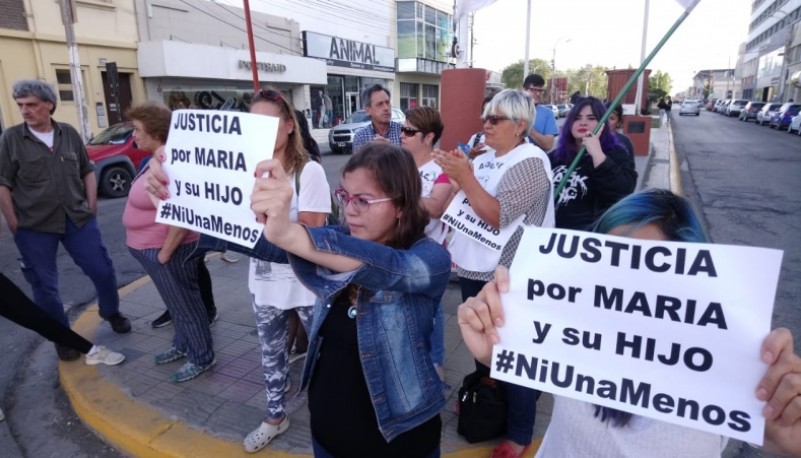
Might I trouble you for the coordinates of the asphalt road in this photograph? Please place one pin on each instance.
(744, 180)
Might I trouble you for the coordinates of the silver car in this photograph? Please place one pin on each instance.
(340, 138)
(690, 107)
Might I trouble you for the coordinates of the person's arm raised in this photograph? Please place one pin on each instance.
(271, 201)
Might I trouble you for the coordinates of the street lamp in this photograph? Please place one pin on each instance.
(553, 65)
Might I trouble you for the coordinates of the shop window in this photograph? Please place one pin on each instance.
(427, 33)
(408, 95)
(64, 81)
(430, 96)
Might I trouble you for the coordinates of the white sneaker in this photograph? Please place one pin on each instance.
(104, 356)
(261, 436)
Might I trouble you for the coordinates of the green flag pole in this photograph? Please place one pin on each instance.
(617, 100)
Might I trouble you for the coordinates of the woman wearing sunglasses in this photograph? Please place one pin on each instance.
(420, 132)
(502, 186)
(604, 175)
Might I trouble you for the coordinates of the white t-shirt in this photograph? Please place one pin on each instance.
(575, 431)
(275, 284)
(429, 172)
(45, 137)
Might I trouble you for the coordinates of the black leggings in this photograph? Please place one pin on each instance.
(17, 307)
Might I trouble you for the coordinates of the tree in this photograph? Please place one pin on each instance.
(588, 80)
(512, 76)
(659, 85)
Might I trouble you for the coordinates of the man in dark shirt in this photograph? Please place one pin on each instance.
(48, 195)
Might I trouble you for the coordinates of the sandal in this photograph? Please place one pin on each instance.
(261, 436)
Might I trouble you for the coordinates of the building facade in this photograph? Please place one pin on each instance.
(771, 50)
(714, 84)
(195, 54)
(33, 45)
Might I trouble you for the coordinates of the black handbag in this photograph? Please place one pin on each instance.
(482, 408)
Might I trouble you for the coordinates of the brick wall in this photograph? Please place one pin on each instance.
(13, 16)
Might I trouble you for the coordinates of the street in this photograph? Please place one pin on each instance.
(744, 180)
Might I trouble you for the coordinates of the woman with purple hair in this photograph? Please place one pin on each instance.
(604, 175)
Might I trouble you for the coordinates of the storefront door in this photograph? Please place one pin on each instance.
(352, 102)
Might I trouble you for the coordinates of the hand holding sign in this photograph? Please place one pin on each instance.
(272, 198)
(479, 316)
(781, 388)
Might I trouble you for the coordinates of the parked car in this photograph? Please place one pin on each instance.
(690, 107)
(750, 111)
(116, 158)
(735, 107)
(767, 111)
(563, 109)
(720, 106)
(795, 125)
(784, 115)
(710, 104)
(340, 138)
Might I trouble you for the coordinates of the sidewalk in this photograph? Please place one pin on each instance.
(137, 410)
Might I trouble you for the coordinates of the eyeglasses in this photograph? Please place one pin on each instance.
(359, 204)
(494, 119)
(409, 132)
(538, 90)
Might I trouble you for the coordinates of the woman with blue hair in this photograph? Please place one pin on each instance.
(579, 428)
(603, 176)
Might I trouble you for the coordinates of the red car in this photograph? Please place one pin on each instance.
(116, 158)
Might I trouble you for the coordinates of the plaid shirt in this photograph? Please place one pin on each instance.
(367, 133)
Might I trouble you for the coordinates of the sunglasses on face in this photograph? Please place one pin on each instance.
(360, 204)
(494, 119)
(409, 132)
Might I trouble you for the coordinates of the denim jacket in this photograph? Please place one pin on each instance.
(400, 290)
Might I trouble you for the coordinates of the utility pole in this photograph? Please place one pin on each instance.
(68, 18)
(528, 39)
(638, 97)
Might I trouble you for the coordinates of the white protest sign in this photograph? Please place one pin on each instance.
(460, 216)
(666, 330)
(210, 158)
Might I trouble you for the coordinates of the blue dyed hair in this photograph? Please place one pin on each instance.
(567, 146)
(673, 215)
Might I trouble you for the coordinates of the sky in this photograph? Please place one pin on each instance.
(609, 33)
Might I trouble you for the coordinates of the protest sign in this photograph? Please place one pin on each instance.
(666, 330)
(460, 216)
(210, 158)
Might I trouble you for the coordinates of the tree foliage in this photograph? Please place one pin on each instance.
(588, 80)
(512, 76)
(659, 85)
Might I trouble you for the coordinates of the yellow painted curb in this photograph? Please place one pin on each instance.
(137, 429)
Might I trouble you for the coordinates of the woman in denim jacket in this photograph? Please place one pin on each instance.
(373, 390)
